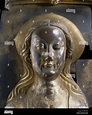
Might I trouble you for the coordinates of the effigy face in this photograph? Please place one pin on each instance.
(48, 50)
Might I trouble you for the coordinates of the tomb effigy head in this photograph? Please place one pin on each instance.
(48, 46)
(48, 50)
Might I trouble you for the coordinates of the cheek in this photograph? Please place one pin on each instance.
(60, 54)
(35, 56)
(60, 57)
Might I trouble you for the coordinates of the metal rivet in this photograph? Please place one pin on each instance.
(8, 64)
(45, 32)
(20, 10)
(83, 64)
(83, 21)
(8, 86)
(8, 21)
(45, 10)
(20, 32)
(33, 21)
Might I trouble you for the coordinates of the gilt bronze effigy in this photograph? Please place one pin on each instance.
(48, 46)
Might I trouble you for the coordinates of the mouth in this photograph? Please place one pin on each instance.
(48, 65)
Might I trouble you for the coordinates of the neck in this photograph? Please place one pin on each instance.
(48, 87)
(48, 93)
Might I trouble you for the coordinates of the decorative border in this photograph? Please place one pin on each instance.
(9, 3)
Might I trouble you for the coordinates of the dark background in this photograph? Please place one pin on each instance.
(2, 2)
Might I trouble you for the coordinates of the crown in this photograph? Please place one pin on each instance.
(9, 3)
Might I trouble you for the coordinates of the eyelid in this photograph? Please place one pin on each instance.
(58, 45)
(40, 46)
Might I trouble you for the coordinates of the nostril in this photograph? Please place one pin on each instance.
(46, 59)
(50, 58)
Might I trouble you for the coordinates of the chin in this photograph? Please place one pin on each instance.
(50, 75)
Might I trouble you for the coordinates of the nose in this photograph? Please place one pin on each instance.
(49, 58)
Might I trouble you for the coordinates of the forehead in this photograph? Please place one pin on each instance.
(49, 34)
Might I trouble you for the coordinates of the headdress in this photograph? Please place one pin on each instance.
(78, 40)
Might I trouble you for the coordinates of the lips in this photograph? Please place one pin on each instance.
(48, 64)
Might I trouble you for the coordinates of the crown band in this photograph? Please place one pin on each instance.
(9, 3)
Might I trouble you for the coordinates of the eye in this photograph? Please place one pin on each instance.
(56, 46)
(40, 46)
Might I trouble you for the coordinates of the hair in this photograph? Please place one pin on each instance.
(28, 77)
